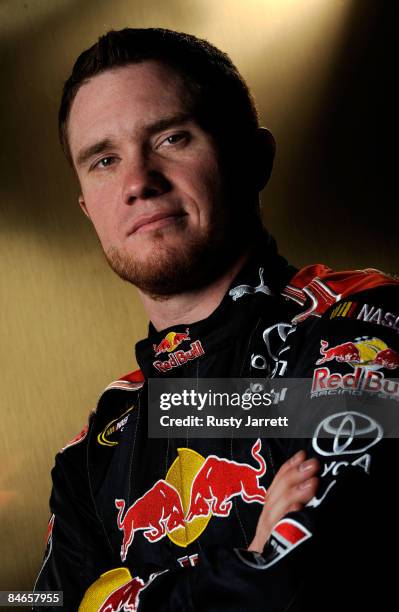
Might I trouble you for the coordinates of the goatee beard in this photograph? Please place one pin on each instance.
(178, 268)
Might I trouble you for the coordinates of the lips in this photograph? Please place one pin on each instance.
(147, 219)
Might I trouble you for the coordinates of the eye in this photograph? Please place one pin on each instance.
(105, 162)
(175, 139)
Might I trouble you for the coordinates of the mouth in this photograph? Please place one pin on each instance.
(155, 221)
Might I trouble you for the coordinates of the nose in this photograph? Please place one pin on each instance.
(144, 180)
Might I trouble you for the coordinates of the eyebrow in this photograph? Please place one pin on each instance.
(107, 143)
(92, 150)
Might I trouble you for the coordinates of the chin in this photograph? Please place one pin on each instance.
(165, 264)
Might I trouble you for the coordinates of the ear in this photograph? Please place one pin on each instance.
(82, 205)
(265, 148)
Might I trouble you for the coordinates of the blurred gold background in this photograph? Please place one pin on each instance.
(319, 72)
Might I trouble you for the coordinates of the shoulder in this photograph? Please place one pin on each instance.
(110, 407)
(317, 288)
(349, 319)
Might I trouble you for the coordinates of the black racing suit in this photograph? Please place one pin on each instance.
(119, 536)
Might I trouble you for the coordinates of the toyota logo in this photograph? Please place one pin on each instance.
(346, 433)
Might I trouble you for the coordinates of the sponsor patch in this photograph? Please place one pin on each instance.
(365, 351)
(366, 355)
(286, 536)
(346, 433)
(374, 314)
(176, 358)
(194, 490)
(326, 383)
(111, 431)
(366, 312)
(345, 309)
(237, 292)
(116, 591)
(335, 467)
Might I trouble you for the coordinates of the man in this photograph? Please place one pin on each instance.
(163, 135)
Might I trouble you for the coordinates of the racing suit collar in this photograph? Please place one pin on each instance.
(261, 278)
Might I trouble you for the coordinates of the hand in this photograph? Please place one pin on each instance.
(293, 486)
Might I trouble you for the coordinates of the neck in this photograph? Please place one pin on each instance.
(191, 306)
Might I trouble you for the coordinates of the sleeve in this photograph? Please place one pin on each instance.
(76, 550)
(336, 553)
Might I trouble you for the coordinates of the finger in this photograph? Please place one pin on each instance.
(306, 490)
(295, 507)
(278, 507)
(311, 466)
(304, 495)
(296, 474)
(295, 460)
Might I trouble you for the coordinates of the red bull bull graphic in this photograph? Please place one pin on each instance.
(202, 488)
(370, 353)
(115, 591)
(387, 358)
(219, 480)
(124, 598)
(171, 342)
(366, 356)
(346, 352)
(176, 358)
(157, 512)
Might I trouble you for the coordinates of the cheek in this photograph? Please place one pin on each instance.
(202, 182)
(102, 218)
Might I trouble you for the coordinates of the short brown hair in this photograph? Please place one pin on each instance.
(223, 104)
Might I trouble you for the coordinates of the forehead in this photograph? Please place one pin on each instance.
(125, 98)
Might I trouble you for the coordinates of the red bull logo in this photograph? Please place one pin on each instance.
(157, 512)
(204, 489)
(219, 480)
(125, 598)
(171, 342)
(370, 353)
(366, 356)
(346, 352)
(327, 383)
(115, 591)
(176, 357)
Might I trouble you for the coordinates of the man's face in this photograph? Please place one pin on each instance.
(150, 177)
